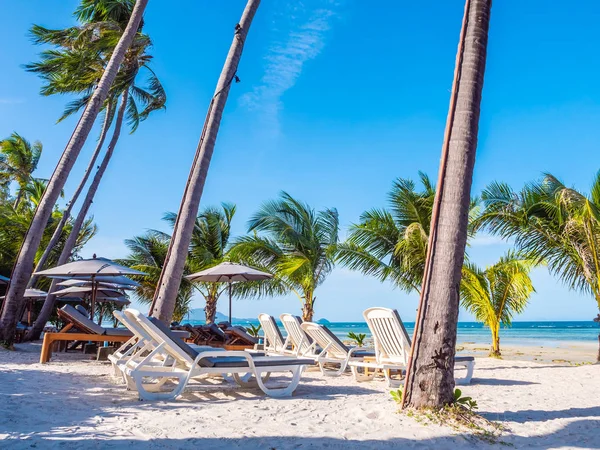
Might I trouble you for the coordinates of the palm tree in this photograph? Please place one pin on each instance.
(494, 295)
(209, 247)
(298, 248)
(164, 298)
(18, 160)
(150, 98)
(552, 224)
(147, 254)
(75, 66)
(430, 384)
(24, 263)
(391, 244)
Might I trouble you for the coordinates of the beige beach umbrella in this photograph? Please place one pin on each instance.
(228, 272)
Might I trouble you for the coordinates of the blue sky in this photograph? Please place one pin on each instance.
(337, 99)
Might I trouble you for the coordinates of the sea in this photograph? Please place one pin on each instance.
(547, 334)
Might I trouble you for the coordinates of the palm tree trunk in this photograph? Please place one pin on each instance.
(24, 264)
(48, 306)
(495, 343)
(430, 373)
(67, 212)
(308, 310)
(211, 309)
(163, 304)
(19, 196)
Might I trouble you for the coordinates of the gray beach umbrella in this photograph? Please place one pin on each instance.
(72, 282)
(119, 280)
(90, 269)
(31, 295)
(101, 291)
(228, 272)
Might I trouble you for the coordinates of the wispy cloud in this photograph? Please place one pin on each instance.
(299, 35)
(11, 101)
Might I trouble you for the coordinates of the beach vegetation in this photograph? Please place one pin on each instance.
(552, 224)
(294, 243)
(494, 295)
(254, 330)
(358, 338)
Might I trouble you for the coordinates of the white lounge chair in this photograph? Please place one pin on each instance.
(149, 374)
(334, 352)
(392, 348)
(274, 343)
(302, 344)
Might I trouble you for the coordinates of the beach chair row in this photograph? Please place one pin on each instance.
(389, 354)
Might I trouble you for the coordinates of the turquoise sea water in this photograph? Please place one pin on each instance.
(522, 333)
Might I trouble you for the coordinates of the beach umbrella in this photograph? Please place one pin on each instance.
(101, 291)
(87, 283)
(228, 272)
(90, 269)
(31, 295)
(120, 280)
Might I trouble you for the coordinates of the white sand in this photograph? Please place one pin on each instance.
(74, 403)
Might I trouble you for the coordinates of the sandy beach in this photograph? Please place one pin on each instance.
(76, 403)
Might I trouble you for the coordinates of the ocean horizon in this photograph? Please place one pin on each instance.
(535, 333)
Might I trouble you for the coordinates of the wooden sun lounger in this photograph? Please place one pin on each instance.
(80, 328)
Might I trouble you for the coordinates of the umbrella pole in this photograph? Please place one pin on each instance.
(93, 303)
(29, 312)
(230, 301)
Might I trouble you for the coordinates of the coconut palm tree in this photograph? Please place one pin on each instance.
(552, 224)
(25, 260)
(147, 253)
(75, 65)
(164, 298)
(294, 243)
(209, 247)
(497, 293)
(391, 243)
(430, 385)
(18, 160)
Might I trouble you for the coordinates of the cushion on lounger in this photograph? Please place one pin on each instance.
(363, 354)
(234, 361)
(81, 322)
(82, 310)
(395, 311)
(117, 332)
(167, 331)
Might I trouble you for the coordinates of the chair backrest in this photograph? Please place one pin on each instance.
(273, 338)
(82, 310)
(174, 346)
(130, 322)
(239, 336)
(391, 340)
(328, 341)
(81, 322)
(298, 338)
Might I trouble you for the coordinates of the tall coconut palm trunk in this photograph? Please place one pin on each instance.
(38, 326)
(430, 375)
(67, 212)
(163, 304)
(24, 264)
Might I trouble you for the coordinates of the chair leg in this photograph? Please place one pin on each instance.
(281, 392)
(470, 367)
(333, 373)
(248, 379)
(361, 377)
(148, 392)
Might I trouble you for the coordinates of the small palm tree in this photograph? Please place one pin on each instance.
(18, 160)
(358, 338)
(147, 254)
(497, 293)
(297, 247)
(552, 224)
(209, 247)
(254, 330)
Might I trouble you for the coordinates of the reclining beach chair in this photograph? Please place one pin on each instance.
(149, 374)
(302, 344)
(334, 352)
(237, 336)
(274, 342)
(392, 347)
(80, 328)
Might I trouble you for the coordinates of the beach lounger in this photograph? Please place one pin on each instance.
(334, 352)
(392, 347)
(80, 328)
(237, 336)
(189, 363)
(273, 340)
(302, 344)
